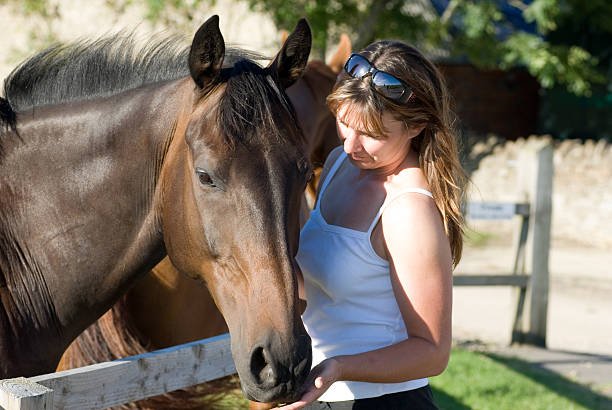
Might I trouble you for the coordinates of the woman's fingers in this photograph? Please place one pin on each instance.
(320, 379)
(318, 382)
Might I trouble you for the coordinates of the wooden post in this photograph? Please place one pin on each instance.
(535, 178)
(23, 394)
(518, 269)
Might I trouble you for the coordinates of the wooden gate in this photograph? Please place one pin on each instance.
(532, 212)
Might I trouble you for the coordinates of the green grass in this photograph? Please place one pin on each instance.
(485, 381)
(477, 239)
(476, 380)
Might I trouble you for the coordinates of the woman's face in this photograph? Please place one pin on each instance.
(367, 152)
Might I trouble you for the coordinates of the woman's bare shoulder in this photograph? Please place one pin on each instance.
(409, 201)
(406, 180)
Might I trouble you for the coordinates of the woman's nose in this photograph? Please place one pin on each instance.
(351, 144)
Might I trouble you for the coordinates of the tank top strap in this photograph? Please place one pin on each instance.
(388, 200)
(329, 176)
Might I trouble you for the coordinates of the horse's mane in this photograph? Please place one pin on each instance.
(88, 69)
(100, 67)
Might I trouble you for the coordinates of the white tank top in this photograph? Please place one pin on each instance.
(351, 307)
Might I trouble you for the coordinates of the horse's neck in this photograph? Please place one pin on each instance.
(309, 99)
(321, 79)
(78, 220)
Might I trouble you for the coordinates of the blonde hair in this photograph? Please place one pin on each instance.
(429, 106)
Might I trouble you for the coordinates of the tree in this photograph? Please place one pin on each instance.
(488, 33)
(560, 42)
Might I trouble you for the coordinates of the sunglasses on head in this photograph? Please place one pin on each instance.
(389, 86)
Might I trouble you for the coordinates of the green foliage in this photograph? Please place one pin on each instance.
(544, 13)
(29, 7)
(572, 66)
(477, 239)
(472, 29)
(572, 46)
(324, 16)
(364, 20)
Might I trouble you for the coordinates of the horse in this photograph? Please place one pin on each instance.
(113, 156)
(166, 308)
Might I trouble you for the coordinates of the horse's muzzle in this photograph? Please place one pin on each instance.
(277, 372)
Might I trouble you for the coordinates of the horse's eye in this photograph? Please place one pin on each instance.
(305, 169)
(310, 177)
(204, 177)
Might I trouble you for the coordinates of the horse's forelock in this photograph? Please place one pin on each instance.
(7, 115)
(247, 110)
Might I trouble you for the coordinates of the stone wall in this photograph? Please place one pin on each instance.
(582, 187)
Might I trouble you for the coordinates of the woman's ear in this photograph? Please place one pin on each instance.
(414, 130)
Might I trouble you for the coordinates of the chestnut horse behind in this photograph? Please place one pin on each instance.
(112, 157)
(167, 308)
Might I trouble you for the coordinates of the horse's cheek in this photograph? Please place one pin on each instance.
(177, 232)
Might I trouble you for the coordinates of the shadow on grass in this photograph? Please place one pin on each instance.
(447, 402)
(564, 387)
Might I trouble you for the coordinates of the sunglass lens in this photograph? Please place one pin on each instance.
(388, 85)
(357, 66)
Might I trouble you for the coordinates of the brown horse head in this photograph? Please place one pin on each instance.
(229, 204)
(111, 156)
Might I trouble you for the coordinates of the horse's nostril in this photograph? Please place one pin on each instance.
(261, 368)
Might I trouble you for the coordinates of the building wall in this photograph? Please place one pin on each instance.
(493, 101)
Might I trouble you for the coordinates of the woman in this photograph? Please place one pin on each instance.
(378, 250)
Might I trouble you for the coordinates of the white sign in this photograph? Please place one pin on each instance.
(491, 210)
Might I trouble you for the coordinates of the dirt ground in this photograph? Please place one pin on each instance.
(579, 325)
(579, 310)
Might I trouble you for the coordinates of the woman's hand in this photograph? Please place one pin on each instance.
(320, 378)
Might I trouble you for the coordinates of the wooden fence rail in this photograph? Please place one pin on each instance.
(121, 381)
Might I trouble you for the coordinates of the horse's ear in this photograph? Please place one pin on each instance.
(207, 52)
(291, 60)
(345, 48)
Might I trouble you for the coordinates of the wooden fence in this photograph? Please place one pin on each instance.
(121, 381)
(532, 213)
